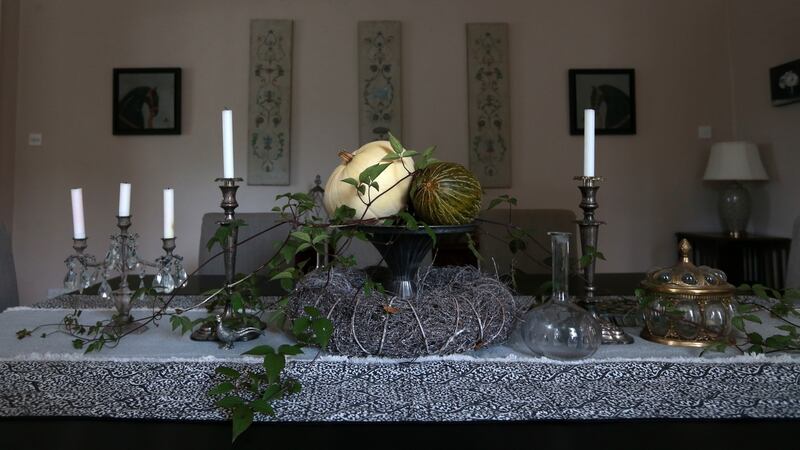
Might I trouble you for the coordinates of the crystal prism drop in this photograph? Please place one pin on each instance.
(182, 276)
(86, 279)
(105, 290)
(71, 280)
(169, 283)
(163, 283)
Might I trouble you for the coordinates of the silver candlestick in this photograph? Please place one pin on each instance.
(83, 271)
(238, 323)
(589, 229)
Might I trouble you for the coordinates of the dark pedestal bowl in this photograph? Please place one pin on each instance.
(403, 250)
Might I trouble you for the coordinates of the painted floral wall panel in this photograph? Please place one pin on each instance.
(489, 116)
(380, 104)
(269, 120)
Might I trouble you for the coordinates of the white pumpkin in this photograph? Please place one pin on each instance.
(338, 193)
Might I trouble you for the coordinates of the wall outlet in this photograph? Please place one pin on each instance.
(704, 132)
(35, 139)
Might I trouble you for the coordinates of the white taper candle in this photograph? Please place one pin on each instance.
(169, 213)
(124, 199)
(588, 143)
(227, 143)
(78, 225)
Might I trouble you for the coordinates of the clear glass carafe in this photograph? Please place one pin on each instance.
(559, 329)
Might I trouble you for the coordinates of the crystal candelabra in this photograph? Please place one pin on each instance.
(589, 228)
(239, 324)
(83, 270)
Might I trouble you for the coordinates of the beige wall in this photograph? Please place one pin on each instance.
(764, 35)
(68, 49)
(9, 42)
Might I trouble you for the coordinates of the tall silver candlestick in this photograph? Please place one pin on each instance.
(233, 321)
(589, 229)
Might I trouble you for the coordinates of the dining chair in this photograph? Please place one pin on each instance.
(249, 255)
(8, 276)
(793, 266)
(493, 238)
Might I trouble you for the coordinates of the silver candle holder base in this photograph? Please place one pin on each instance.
(589, 229)
(241, 326)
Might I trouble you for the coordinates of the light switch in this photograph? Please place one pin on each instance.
(35, 139)
(704, 132)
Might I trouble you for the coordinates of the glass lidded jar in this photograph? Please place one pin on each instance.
(687, 305)
(559, 329)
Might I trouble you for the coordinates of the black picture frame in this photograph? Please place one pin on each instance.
(135, 89)
(784, 83)
(615, 103)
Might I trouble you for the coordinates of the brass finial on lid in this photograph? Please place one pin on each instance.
(685, 248)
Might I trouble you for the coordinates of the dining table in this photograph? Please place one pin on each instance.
(150, 389)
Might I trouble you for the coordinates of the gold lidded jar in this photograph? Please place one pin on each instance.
(687, 305)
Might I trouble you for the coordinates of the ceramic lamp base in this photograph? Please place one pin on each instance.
(734, 209)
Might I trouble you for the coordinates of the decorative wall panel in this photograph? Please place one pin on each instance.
(489, 117)
(380, 106)
(270, 109)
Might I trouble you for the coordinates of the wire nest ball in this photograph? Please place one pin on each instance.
(455, 309)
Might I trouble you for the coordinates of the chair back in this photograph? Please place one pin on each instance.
(494, 231)
(8, 276)
(793, 266)
(250, 255)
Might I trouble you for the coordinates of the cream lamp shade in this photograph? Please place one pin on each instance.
(734, 161)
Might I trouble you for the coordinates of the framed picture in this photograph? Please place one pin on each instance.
(147, 101)
(610, 92)
(784, 83)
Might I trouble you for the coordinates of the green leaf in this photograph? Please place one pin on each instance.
(286, 274)
(391, 157)
(411, 222)
(371, 173)
(290, 349)
(222, 388)
(230, 401)
(351, 181)
(738, 322)
(23, 333)
(77, 343)
(260, 350)
(755, 338)
(272, 392)
(312, 312)
(752, 318)
(242, 419)
(237, 302)
(323, 329)
(273, 365)
(472, 248)
(778, 341)
(396, 145)
(262, 406)
(300, 325)
(361, 189)
(743, 308)
(429, 231)
(301, 235)
(760, 291)
(228, 372)
(792, 330)
(755, 348)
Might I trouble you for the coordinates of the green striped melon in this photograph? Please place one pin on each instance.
(446, 193)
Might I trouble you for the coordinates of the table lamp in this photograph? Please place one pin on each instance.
(735, 162)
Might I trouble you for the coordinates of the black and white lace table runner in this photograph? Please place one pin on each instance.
(444, 390)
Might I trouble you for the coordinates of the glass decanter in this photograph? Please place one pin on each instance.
(559, 329)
